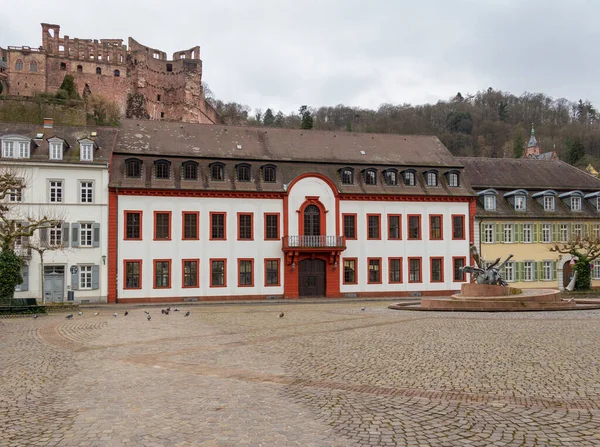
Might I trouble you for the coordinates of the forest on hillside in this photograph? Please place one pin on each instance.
(489, 123)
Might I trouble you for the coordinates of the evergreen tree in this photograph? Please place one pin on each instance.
(269, 118)
(307, 119)
(518, 142)
(10, 272)
(575, 150)
(279, 119)
(68, 85)
(503, 111)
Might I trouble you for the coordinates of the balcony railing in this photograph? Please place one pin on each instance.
(314, 242)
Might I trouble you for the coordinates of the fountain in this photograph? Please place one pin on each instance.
(489, 292)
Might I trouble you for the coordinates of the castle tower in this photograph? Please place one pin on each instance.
(533, 150)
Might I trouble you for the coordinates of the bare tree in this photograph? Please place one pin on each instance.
(584, 250)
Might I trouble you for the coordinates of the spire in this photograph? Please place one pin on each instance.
(532, 140)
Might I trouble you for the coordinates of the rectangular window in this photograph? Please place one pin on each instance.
(15, 195)
(437, 269)
(546, 233)
(414, 270)
(488, 233)
(596, 270)
(577, 231)
(245, 226)
(576, 203)
(528, 271)
(457, 265)
(56, 191)
(374, 226)
(374, 270)
(86, 152)
(217, 229)
(394, 226)
(86, 233)
(509, 271)
(162, 273)
(190, 273)
(190, 225)
(245, 273)
(520, 203)
(414, 227)
(8, 149)
(349, 226)
(548, 203)
(527, 233)
(350, 271)
(86, 192)
(55, 235)
(489, 202)
(395, 270)
(564, 232)
(162, 225)
(218, 275)
(56, 151)
(133, 275)
(272, 272)
(133, 225)
(435, 227)
(24, 150)
(272, 227)
(547, 270)
(508, 233)
(85, 277)
(596, 232)
(458, 227)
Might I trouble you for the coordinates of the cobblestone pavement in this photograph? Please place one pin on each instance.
(323, 375)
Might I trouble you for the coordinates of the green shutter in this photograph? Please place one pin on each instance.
(518, 229)
(536, 271)
(554, 275)
(521, 270)
(555, 237)
(499, 233)
(586, 229)
(536, 233)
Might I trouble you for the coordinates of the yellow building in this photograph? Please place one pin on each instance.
(525, 207)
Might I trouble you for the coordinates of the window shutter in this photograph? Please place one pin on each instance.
(75, 235)
(586, 229)
(25, 274)
(65, 234)
(518, 232)
(536, 271)
(95, 277)
(555, 237)
(521, 270)
(96, 234)
(536, 232)
(44, 235)
(75, 280)
(553, 270)
(499, 233)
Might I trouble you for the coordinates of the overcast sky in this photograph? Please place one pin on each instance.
(285, 53)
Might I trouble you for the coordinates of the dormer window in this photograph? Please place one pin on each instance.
(410, 178)
(269, 174)
(16, 147)
(56, 149)
(86, 150)
(518, 199)
(217, 171)
(390, 177)
(452, 178)
(190, 170)
(431, 178)
(572, 199)
(162, 169)
(548, 203)
(133, 168)
(489, 199)
(546, 199)
(594, 200)
(347, 176)
(520, 203)
(370, 177)
(575, 203)
(243, 172)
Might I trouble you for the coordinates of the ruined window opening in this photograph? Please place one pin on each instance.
(61, 48)
(117, 73)
(63, 66)
(121, 59)
(156, 56)
(33, 66)
(51, 32)
(19, 65)
(169, 67)
(79, 69)
(99, 57)
(158, 97)
(162, 114)
(98, 71)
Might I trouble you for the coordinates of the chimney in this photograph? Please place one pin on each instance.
(48, 123)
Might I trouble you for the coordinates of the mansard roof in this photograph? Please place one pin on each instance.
(532, 175)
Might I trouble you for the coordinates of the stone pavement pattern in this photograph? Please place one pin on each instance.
(324, 375)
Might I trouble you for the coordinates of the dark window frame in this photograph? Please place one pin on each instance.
(133, 166)
(162, 169)
(347, 176)
(269, 173)
(189, 167)
(243, 173)
(217, 170)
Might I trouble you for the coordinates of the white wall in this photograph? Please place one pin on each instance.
(311, 186)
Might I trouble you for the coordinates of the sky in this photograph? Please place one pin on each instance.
(283, 53)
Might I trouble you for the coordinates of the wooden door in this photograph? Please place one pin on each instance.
(311, 277)
(567, 274)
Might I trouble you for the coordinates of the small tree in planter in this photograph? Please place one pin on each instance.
(584, 251)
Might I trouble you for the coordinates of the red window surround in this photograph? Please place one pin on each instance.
(408, 222)
(355, 270)
(353, 217)
(170, 225)
(376, 217)
(278, 217)
(135, 261)
(154, 262)
(278, 271)
(183, 214)
(419, 260)
(369, 281)
(224, 260)
(396, 280)
(251, 260)
(431, 262)
(431, 235)
(183, 261)
(460, 218)
(457, 274)
(211, 226)
(141, 216)
(239, 234)
(389, 219)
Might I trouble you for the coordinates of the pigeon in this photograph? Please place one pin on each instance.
(281, 315)
(176, 310)
(126, 313)
(167, 312)
(80, 313)
(187, 314)
(162, 311)
(35, 316)
(68, 317)
(146, 312)
(97, 313)
(148, 317)
(169, 309)
(115, 314)
(363, 308)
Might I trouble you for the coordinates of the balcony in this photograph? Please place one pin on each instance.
(303, 243)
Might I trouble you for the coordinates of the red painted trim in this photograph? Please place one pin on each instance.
(355, 218)
(183, 261)
(170, 225)
(369, 271)
(453, 272)
(240, 260)
(154, 262)
(224, 271)
(401, 198)
(224, 238)
(312, 200)
(390, 270)
(441, 258)
(200, 193)
(125, 213)
(278, 272)
(251, 238)
(278, 215)
(355, 270)
(183, 214)
(378, 226)
(441, 216)
(399, 216)
(418, 216)
(462, 217)
(472, 210)
(113, 242)
(420, 259)
(125, 261)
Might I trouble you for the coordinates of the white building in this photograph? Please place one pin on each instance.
(65, 170)
(220, 212)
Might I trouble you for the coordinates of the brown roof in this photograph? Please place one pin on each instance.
(530, 174)
(259, 143)
(104, 140)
